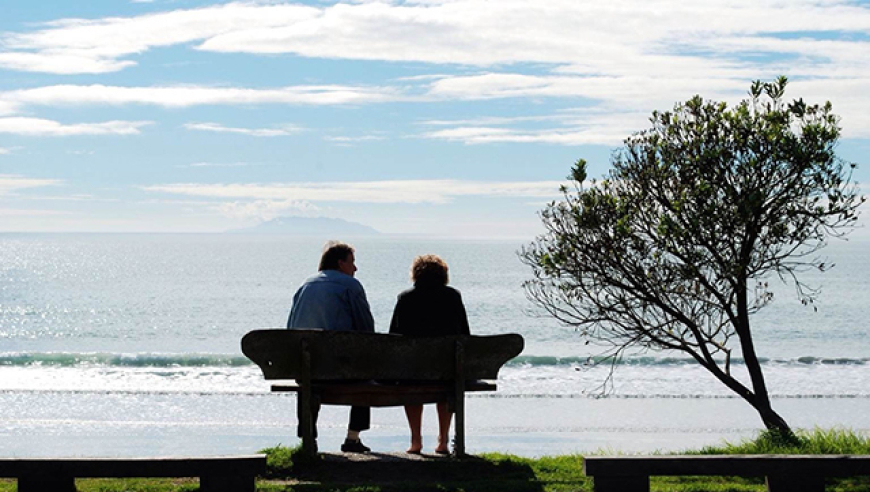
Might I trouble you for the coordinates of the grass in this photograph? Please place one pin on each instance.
(817, 441)
(289, 470)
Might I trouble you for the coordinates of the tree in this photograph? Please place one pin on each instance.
(673, 248)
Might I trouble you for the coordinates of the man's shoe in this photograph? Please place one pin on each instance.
(354, 447)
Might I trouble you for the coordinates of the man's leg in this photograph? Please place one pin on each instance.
(360, 420)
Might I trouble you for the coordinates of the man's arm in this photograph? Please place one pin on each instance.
(361, 312)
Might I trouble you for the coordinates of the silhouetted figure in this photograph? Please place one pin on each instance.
(430, 308)
(334, 300)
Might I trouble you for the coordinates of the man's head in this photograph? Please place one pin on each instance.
(429, 269)
(338, 256)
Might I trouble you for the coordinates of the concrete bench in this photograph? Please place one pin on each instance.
(216, 474)
(784, 473)
(378, 370)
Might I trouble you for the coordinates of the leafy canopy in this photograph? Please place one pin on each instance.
(669, 250)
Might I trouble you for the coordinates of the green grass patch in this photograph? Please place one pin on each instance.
(816, 441)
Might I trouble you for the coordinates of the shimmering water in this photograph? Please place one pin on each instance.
(129, 344)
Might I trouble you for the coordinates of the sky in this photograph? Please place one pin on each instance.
(454, 118)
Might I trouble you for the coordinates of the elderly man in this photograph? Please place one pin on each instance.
(334, 300)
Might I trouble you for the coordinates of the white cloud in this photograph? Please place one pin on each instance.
(348, 140)
(43, 127)
(12, 212)
(267, 209)
(623, 55)
(98, 46)
(605, 37)
(398, 191)
(4, 151)
(10, 183)
(188, 96)
(577, 127)
(221, 164)
(283, 131)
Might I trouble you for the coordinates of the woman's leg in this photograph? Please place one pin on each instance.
(415, 422)
(444, 417)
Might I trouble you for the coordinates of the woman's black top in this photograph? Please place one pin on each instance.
(429, 310)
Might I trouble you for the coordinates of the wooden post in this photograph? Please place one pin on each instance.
(459, 402)
(227, 483)
(795, 483)
(46, 482)
(305, 403)
(621, 484)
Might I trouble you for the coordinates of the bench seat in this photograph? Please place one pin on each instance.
(348, 368)
(784, 473)
(375, 394)
(216, 473)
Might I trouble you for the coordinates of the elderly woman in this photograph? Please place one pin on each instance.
(430, 308)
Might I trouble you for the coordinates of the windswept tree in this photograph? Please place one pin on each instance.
(673, 248)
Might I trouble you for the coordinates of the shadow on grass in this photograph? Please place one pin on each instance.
(377, 472)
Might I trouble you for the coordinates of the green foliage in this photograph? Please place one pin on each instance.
(281, 462)
(817, 441)
(672, 249)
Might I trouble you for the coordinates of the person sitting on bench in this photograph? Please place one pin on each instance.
(334, 300)
(430, 308)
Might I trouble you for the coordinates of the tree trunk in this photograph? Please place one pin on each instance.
(761, 403)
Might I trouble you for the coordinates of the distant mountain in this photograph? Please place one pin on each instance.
(309, 226)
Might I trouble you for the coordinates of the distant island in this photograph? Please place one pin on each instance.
(309, 226)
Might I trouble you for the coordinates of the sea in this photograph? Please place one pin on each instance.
(128, 345)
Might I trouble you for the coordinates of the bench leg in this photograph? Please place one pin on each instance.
(305, 410)
(44, 483)
(621, 484)
(459, 439)
(227, 483)
(795, 483)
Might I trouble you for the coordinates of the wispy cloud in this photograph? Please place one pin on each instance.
(4, 151)
(574, 127)
(656, 52)
(267, 209)
(10, 183)
(397, 191)
(348, 140)
(221, 164)
(283, 131)
(12, 212)
(43, 127)
(189, 96)
(469, 32)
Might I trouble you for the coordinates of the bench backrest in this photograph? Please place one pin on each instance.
(358, 355)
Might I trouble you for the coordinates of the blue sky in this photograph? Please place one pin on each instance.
(453, 118)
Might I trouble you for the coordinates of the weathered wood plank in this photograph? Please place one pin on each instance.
(339, 355)
(626, 483)
(373, 394)
(734, 465)
(133, 467)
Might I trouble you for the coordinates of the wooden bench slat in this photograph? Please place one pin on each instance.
(381, 395)
(736, 465)
(784, 473)
(134, 467)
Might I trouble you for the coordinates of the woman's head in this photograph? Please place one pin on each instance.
(429, 269)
